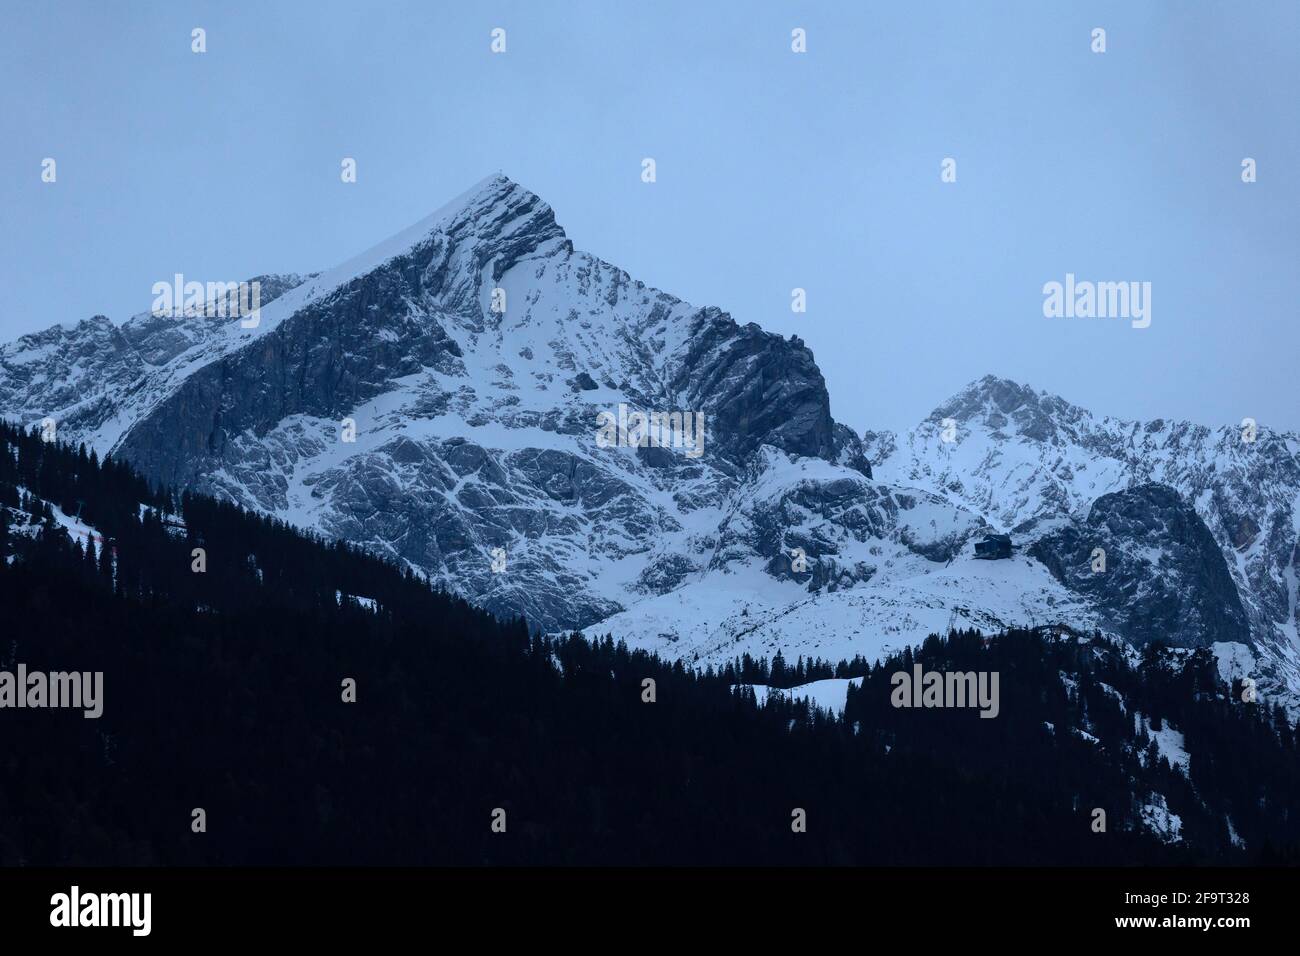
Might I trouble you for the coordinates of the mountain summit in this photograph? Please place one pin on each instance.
(437, 398)
(447, 399)
(1033, 463)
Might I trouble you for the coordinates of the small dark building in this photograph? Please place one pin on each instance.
(993, 546)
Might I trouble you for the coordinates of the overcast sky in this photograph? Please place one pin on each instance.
(775, 170)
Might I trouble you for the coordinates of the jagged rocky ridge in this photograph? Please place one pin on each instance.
(476, 430)
(1148, 562)
(1063, 481)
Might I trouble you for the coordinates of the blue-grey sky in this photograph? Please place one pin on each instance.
(775, 170)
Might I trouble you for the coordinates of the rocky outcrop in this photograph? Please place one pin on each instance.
(758, 388)
(1150, 565)
(438, 400)
(1028, 461)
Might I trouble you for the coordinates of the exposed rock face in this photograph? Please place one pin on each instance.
(439, 400)
(92, 375)
(75, 371)
(475, 426)
(1149, 563)
(760, 389)
(1029, 461)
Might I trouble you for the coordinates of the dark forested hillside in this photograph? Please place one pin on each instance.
(225, 640)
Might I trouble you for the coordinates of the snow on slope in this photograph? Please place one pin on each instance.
(1158, 818)
(1028, 461)
(830, 694)
(475, 431)
(730, 613)
(474, 428)
(1168, 741)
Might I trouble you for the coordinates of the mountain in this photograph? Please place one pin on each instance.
(446, 398)
(1063, 481)
(1165, 575)
(322, 706)
(475, 429)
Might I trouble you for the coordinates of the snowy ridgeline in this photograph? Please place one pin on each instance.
(497, 346)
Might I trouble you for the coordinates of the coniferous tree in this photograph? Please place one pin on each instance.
(239, 669)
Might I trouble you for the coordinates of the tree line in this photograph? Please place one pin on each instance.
(224, 689)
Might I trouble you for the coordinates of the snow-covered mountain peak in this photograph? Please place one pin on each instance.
(1012, 408)
(495, 212)
(1035, 465)
(438, 399)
